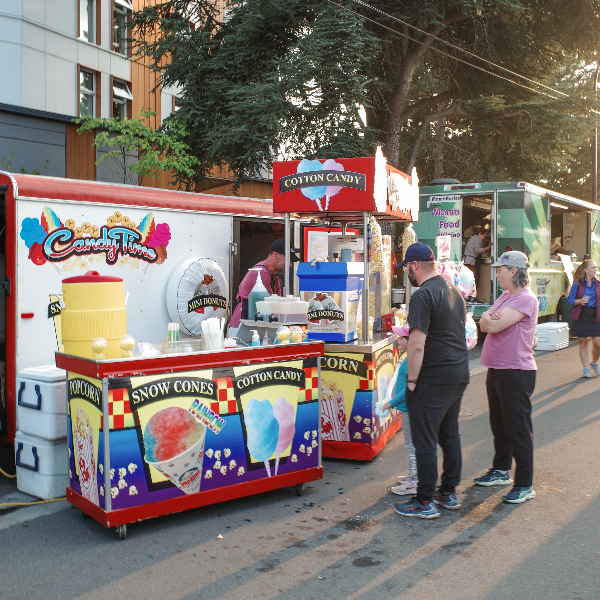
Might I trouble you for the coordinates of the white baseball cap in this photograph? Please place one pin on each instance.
(511, 259)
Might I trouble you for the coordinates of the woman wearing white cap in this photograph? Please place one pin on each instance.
(508, 353)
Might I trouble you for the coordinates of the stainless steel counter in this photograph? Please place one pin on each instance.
(379, 340)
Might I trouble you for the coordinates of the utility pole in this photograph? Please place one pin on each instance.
(595, 147)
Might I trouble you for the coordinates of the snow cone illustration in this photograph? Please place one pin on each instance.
(174, 445)
(286, 417)
(263, 431)
(50, 221)
(147, 227)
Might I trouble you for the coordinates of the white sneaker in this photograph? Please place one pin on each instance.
(406, 488)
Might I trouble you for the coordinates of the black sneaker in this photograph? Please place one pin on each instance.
(448, 500)
(494, 477)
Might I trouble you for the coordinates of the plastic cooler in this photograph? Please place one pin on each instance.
(42, 466)
(552, 336)
(42, 402)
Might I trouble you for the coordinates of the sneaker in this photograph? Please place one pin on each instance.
(586, 372)
(413, 508)
(494, 477)
(406, 488)
(596, 368)
(447, 500)
(519, 495)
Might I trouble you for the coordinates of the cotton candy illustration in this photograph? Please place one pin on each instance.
(263, 430)
(286, 417)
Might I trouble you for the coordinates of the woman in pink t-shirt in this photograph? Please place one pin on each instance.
(508, 353)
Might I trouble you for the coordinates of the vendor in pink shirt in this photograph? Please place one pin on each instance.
(270, 268)
(508, 353)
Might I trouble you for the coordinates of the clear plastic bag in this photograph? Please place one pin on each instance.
(470, 331)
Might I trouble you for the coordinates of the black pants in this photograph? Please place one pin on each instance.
(509, 396)
(433, 412)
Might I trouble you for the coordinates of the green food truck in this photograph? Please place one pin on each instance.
(555, 231)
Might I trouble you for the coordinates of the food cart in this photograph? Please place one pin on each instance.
(555, 231)
(233, 447)
(357, 364)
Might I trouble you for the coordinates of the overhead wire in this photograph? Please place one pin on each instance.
(444, 53)
(441, 41)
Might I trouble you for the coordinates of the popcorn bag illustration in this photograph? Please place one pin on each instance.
(84, 448)
(334, 424)
(174, 446)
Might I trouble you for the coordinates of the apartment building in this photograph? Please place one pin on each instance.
(68, 58)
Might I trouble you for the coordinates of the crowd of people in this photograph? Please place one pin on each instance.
(432, 380)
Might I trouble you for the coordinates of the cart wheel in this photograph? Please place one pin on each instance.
(300, 488)
(85, 515)
(122, 531)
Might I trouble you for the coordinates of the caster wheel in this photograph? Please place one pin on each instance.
(122, 532)
(300, 489)
(85, 516)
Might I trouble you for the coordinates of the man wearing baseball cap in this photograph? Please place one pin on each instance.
(270, 268)
(438, 373)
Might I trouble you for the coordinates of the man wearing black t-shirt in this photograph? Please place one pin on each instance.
(438, 373)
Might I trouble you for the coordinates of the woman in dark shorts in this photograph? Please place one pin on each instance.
(585, 298)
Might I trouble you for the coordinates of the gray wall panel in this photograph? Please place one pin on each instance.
(33, 141)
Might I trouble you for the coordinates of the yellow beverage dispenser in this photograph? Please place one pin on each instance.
(94, 305)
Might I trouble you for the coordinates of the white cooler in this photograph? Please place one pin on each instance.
(552, 336)
(42, 402)
(42, 466)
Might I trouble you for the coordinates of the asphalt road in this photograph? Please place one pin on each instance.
(342, 539)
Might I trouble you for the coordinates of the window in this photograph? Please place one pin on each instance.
(87, 93)
(86, 20)
(121, 96)
(120, 17)
(176, 103)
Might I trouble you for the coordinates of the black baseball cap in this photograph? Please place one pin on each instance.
(279, 247)
(417, 251)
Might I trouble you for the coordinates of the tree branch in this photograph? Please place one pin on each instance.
(455, 110)
(424, 103)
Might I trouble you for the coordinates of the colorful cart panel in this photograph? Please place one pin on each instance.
(351, 384)
(178, 434)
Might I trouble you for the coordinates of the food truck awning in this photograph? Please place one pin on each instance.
(74, 190)
(573, 202)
